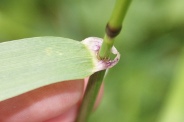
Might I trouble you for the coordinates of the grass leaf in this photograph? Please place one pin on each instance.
(27, 64)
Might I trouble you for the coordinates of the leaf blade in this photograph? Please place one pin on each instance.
(30, 63)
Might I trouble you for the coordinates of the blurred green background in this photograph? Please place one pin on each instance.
(147, 85)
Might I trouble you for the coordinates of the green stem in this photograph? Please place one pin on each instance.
(92, 89)
(105, 49)
(119, 13)
(112, 30)
(113, 27)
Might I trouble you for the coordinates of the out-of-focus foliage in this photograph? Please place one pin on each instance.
(143, 87)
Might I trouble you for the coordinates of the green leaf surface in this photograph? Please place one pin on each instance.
(27, 64)
(173, 110)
